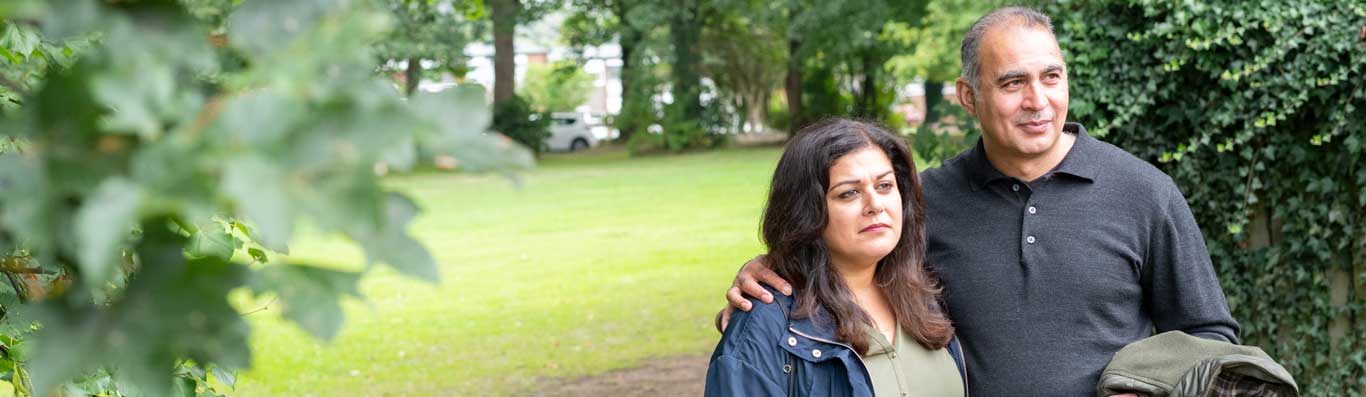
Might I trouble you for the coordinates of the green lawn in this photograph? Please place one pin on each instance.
(595, 262)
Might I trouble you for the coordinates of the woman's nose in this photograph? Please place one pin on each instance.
(875, 204)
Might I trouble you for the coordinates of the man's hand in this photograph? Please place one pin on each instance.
(747, 283)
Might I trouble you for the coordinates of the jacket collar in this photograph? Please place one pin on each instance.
(818, 325)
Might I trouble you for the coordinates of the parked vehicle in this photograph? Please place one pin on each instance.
(570, 132)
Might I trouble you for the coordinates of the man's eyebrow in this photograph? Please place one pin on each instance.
(1010, 75)
(1015, 74)
(848, 181)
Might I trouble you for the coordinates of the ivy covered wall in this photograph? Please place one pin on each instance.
(1258, 110)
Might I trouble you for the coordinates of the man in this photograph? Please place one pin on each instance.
(1054, 249)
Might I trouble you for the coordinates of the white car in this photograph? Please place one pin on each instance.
(570, 132)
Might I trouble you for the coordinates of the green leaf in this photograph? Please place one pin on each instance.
(393, 246)
(102, 223)
(462, 110)
(19, 40)
(183, 387)
(261, 27)
(148, 62)
(260, 117)
(258, 255)
(460, 118)
(224, 376)
(78, 17)
(212, 239)
(257, 187)
(310, 295)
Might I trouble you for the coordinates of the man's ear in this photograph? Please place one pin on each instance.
(963, 91)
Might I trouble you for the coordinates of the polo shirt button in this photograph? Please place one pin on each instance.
(816, 353)
(893, 354)
(905, 393)
(791, 341)
(1015, 187)
(1029, 239)
(1033, 210)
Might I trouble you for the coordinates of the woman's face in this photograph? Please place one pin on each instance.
(864, 208)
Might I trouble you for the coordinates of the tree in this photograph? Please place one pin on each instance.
(557, 87)
(685, 31)
(436, 31)
(844, 38)
(660, 44)
(27, 57)
(745, 59)
(167, 165)
(504, 14)
(597, 22)
(931, 51)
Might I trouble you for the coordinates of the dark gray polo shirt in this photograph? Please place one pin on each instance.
(1046, 280)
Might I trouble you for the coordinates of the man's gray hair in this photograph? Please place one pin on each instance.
(1008, 16)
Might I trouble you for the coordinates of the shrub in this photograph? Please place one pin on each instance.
(517, 120)
(645, 142)
(779, 115)
(558, 87)
(954, 132)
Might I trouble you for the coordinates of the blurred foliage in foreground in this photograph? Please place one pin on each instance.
(157, 156)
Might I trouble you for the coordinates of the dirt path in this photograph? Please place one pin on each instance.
(670, 376)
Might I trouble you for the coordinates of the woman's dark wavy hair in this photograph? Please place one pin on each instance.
(796, 216)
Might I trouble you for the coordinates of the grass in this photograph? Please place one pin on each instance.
(596, 262)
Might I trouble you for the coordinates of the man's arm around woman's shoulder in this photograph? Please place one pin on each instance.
(748, 360)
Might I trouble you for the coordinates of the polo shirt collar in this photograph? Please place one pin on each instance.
(1081, 161)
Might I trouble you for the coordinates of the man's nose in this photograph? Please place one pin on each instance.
(1034, 97)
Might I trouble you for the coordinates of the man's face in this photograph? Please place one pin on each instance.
(1021, 98)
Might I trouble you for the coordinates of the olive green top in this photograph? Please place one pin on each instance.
(908, 369)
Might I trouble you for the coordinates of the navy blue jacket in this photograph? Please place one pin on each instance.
(766, 352)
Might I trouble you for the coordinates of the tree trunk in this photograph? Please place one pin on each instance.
(793, 86)
(628, 40)
(934, 95)
(866, 105)
(504, 16)
(685, 30)
(757, 105)
(412, 76)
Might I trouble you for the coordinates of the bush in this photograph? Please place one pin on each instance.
(1258, 111)
(822, 96)
(637, 114)
(895, 122)
(517, 120)
(558, 87)
(954, 132)
(645, 142)
(779, 115)
(677, 133)
(682, 133)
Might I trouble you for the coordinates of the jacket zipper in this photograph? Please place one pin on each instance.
(851, 348)
(961, 356)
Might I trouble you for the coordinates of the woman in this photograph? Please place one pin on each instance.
(846, 225)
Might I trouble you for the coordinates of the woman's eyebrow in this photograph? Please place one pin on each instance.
(855, 180)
